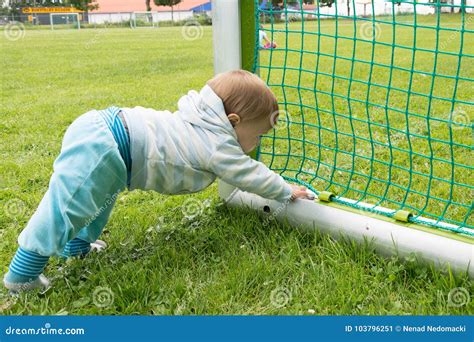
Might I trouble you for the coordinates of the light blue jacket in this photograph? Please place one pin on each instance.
(185, 151)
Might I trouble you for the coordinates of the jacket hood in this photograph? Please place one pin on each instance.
(205, 109)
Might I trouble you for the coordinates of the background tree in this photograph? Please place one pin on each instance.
(83, 5)
(327, 3)
(322, 3)
(169, 3)
(14, 6)
(147, 4)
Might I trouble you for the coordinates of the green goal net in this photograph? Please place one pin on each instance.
(65, 21)
(376, 102)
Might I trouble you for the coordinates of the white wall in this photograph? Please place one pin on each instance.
(101, 18)
(181, 15)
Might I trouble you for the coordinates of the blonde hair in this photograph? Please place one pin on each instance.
(245, 94)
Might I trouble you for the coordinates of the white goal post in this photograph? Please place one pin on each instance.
(389, 237)
(144, 19)
(72, 19)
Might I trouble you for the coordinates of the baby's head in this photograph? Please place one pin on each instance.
(250, 105)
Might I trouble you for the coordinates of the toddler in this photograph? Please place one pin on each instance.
(264, 42)
(105, 151)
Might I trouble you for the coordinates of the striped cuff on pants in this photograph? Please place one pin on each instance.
(27, 263)
(76, 247)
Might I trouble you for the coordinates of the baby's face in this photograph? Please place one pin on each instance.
(249, 131)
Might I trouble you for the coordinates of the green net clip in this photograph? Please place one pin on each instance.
(325, 196)
(402, 215)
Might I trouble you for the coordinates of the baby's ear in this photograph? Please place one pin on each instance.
(234, 119)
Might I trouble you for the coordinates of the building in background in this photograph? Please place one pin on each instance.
(115, 11)
(121, 12)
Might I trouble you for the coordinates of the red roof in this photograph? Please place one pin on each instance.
(107, 6)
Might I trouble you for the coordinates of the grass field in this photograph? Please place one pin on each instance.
(223, 261)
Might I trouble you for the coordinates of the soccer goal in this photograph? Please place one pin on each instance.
(144, 19)
(375, 119)
(64, 20)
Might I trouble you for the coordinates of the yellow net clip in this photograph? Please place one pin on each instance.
(325, 196)
(402, 215)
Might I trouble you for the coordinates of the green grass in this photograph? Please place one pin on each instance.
(224, 261)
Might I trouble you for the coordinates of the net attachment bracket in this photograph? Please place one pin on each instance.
(326, 196)
(402, 215)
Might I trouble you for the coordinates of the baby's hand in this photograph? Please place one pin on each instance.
(301, 192)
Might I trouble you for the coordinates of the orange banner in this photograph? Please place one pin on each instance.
(50, 10)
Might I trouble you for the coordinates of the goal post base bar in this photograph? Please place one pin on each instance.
(389, 238)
